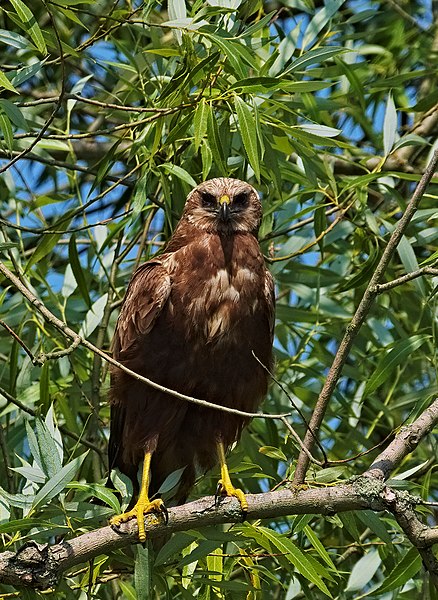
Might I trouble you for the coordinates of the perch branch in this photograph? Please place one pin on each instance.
(41, 566)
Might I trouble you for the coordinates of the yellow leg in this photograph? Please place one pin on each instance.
(225, 487)
(144, 505)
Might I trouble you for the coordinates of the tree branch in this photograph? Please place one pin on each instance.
(359, 318)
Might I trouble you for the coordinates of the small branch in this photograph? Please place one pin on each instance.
(384, 287)
(405, 442)
(44, 356)
(359, 318)
(65, 329)
(63, 165)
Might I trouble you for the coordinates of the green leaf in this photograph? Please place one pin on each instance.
(399, 353)
(314, 56)
(207, 159)
(6, 127)
(140, 195)
(57, 483)
(314, 540)
(363, 571)
(202, 549)
(405, 570)
(174, 546)
(21, 501)
(77, 270)
(22, 75)
(99, 491)
(200, 122)
(266, 84)
(11, 38)
(248, 131)
(50, 458)
(143, 572)
(171, 481)
(389, 125)
(46, 245)
(93, 317)
(6, 84)
(30, 24)
(410, 263)
(320, 20)
(214, 142)
(272, 452)
(295, 556)
(14, 114)
(179, 172)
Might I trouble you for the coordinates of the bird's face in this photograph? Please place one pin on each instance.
(224, 205)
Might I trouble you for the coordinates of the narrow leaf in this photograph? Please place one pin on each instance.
(389, 126)
(30, 23)
(400, 352)
(143, 572)
(296, 557)
(320, 20)
(93, 316)
(248, 131)
(406, 569)
(179, 172)
(55, 485)
(200, 122)
(77, 270)
(363, 571)
(6, 84)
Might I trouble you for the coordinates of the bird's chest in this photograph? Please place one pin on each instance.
(218, 300)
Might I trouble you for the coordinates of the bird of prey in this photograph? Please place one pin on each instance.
(192, 320)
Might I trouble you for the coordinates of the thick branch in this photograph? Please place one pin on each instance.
(359, 318)
(41, 566)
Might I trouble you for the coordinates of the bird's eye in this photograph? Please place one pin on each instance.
(240, 199)
(208, 199)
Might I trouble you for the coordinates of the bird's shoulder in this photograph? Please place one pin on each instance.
(147, 293)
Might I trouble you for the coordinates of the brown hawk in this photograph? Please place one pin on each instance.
(192, 320)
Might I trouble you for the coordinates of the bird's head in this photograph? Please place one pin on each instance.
(224, 205)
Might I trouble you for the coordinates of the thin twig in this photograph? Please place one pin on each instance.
(20, 341)
(67, 331)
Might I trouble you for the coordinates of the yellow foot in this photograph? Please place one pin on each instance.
(139, 511)
(227, 489)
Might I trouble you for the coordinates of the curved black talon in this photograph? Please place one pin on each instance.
(218, 494)
(165, 513)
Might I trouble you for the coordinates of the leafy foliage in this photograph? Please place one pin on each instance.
(110, 113)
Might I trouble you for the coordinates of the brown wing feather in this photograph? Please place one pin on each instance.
(147, 293)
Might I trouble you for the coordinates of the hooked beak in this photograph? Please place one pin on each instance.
(224, 208)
